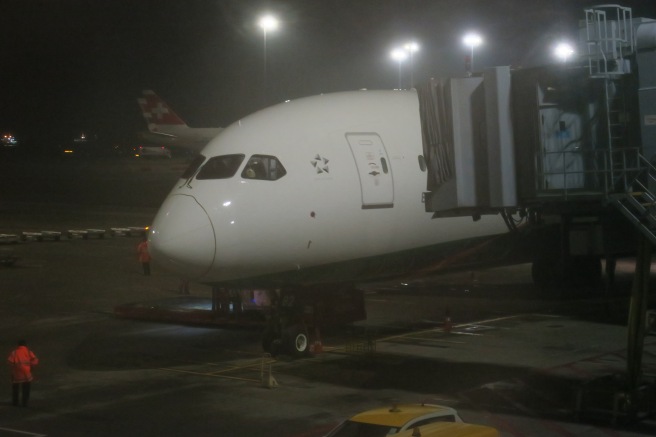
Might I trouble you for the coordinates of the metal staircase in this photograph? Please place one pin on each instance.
(639, 206)
(629, 175)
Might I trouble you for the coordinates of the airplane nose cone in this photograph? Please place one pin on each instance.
(182, 237)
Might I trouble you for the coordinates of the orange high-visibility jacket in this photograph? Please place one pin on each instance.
(142, 251)
(21, 361)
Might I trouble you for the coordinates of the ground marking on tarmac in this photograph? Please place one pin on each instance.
(15, 431)
(411, 337)
(473, 334)
(212, 374)
(251, 366)
(425, 331)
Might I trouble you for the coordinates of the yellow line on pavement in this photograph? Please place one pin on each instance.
(209, 374)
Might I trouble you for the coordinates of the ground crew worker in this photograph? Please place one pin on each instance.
(144, 256)
(20, 362)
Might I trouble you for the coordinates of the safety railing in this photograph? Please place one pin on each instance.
(597, 171)
(609, 33)
(638, 204)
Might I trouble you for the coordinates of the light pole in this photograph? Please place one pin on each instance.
(399, 55)
(411, 47)
(563, 51)
(471, 40)
(267, 23)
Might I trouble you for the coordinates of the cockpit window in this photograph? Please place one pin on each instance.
(220, 167)
(264, 168)
(193, 167)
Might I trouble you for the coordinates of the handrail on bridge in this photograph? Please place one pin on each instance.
(601, 171)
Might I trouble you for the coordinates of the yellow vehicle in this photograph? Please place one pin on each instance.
(450, 430)
(381, 422)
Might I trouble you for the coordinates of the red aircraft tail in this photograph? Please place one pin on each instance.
(156, 111)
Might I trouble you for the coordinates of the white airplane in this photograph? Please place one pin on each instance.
(320, 190)
(167, 128)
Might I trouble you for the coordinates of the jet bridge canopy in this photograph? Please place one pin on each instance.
(468, 143)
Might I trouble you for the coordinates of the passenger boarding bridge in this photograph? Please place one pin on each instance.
(566, 150)
(572, 144)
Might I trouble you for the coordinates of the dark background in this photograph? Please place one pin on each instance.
(79, 65)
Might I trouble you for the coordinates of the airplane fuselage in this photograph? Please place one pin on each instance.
(339, 190)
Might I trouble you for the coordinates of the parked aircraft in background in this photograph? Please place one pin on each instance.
(167, 128)
(152, 151)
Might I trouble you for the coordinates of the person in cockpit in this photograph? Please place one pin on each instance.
(250, 172)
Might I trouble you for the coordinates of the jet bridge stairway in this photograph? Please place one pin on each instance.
(640, 209)
(638, 204)
(630, 191)
(633, 394)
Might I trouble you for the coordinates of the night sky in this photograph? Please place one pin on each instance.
(73, 65)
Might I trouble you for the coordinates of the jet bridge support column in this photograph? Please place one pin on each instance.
(636, 399)
(637, 316)
(631, 396)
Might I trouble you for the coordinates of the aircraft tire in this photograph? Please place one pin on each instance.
(298, 340)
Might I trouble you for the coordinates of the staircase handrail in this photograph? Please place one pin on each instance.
(646, 168)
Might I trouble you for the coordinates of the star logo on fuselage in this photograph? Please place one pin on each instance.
(320, 164)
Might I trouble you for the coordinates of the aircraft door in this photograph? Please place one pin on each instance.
(374, 170)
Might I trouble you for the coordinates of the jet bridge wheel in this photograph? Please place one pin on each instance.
(585, 271)
(550, 271)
